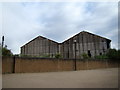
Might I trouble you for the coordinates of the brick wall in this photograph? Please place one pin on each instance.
(7, 64)
(30, 65)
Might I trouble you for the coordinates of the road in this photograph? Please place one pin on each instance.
(98, 78)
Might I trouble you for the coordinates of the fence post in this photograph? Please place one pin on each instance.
(13, 64)
(75, 57)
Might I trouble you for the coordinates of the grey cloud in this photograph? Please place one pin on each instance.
(57, 21)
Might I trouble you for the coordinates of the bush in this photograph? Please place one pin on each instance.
(101, 57)
(22, 55)
(113, 54)
(44, 56)
(58, 56)
(118, 55)
(85, 56)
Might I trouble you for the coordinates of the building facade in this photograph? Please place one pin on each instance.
(74, 47)
(40, 46)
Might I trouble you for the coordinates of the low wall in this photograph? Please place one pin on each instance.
(42, 65)
(7, 65)
(30, 65)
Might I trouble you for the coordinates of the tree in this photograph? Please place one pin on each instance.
(118, 54)
(113, 54)
(6, 52)
(0, 49)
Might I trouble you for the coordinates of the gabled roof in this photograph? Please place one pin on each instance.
(96, 35)
(67, 39)
(40, 37)
(88, 33)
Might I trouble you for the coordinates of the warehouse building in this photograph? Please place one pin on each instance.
(74, 47)
(40, 46)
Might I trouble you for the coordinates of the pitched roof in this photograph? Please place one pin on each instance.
(67, 39)
(88, 33)
(96, 35)
(40, 37)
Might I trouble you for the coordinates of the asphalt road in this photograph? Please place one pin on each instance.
(99, 78)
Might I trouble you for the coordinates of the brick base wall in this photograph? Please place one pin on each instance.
(32, 65)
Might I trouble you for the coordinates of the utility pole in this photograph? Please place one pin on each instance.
(103, 47)
(2, 41)
(75, 55)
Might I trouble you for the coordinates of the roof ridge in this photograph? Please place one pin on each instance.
(64, 40)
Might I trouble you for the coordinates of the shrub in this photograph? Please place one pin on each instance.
(85, 56)
(23, 55)
(45, 56)
(58, 56)
(101, 57)
(113, 54)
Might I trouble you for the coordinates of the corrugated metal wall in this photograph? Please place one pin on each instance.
(40, 47)
(85, 42)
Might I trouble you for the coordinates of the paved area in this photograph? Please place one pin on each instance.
(99, 78)
(0, 81)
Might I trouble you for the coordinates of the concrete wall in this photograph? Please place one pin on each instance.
(29, 65)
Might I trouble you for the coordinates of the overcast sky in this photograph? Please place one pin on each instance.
(22, 22)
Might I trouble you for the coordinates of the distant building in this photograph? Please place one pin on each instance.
(83, 42)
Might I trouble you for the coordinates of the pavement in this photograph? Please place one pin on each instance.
(0, 81)
(98, 78)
